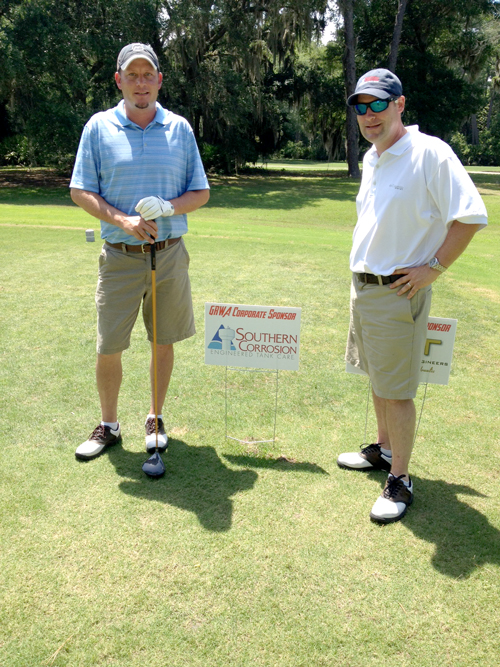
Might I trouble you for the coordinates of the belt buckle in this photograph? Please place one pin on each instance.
(143, 245)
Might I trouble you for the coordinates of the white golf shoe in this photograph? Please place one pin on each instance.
(369, 458)
(100, 438)
(393, 502)
(151, 436)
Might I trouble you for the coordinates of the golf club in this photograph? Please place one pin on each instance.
(154, 466)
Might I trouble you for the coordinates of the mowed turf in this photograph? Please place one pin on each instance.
(242, 554)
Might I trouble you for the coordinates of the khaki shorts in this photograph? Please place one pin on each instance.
(125, 283)
(387, 335)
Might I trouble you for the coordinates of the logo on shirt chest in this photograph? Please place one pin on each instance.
(396, 187)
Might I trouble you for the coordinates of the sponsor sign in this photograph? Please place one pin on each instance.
(252, 336)
(437, 354)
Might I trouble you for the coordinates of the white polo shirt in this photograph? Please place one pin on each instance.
(407, 201)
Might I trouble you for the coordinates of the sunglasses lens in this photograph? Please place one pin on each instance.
(379, 105)
(376, 106)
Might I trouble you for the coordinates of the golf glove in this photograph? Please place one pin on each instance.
(154, 207)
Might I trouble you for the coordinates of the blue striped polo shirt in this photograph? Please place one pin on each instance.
(123, 163)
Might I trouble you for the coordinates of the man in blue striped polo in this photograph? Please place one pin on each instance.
(138, 170)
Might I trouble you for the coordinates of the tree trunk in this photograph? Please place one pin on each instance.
(490, 108)
(474, 130)
(349, 62)
(396, 35)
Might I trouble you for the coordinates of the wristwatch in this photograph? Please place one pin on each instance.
(434, 264)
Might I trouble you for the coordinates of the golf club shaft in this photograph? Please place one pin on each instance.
(155, 376)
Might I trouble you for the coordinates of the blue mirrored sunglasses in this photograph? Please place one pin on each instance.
(376, 106)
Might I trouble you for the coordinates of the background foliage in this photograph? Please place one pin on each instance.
(253, 79)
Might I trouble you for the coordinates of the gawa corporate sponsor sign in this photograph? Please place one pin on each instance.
(435, 364)
(266, 337)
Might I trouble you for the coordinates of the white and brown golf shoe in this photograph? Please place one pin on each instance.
(100, 438)
(394, 500)
(151, 435)
(369, 458)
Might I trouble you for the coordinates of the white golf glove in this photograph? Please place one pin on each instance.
(154, 207)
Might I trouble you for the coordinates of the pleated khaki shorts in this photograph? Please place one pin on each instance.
(387, 335)
(124, 284)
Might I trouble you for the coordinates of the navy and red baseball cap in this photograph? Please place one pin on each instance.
(380, 83)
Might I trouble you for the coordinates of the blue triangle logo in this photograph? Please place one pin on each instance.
(216, 343)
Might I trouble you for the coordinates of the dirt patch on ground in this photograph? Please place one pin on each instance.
(32, 178)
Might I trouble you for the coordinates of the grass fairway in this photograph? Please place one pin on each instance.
(242, 554)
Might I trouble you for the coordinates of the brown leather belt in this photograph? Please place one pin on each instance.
(144, 247)
(376, 280)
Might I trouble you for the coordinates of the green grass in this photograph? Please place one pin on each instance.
(243, 554)
(476, 168)
(338, 168)
(303, 166)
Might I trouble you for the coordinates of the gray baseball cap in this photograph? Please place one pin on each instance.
(380, 83)
(136, 50)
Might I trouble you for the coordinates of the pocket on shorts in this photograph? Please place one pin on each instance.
(418, 302)
(103, 259)
(184, 250)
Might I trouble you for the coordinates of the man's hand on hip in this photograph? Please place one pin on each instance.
(143, 230)
(154, 207)
(414, 279)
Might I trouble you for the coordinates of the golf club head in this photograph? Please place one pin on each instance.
(154, 466)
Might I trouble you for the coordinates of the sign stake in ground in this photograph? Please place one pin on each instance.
(251, 370)
(252, 339)
(435, 365)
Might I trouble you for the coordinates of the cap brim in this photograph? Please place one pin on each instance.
(376, 92)
(138, 56)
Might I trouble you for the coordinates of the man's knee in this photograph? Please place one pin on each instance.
(399, 401)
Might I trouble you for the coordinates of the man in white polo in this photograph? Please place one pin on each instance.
(417, 211)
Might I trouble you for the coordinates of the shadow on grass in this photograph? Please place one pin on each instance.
(490, 180)
(281, 463)
(463, 537)
(279, 192)
(196, 480)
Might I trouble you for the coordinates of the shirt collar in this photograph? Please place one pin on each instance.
(404, 143)
(398, 148)
(161, 115)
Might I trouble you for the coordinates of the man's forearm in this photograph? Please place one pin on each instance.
(456, 241)
(458, 238)
(134, 225)
(98, 207)
(190, 201)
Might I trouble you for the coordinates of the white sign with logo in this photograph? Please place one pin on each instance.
(437, 354)
(252, 336)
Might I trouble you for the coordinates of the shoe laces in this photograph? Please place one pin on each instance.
(375, 448)
(394, 486)
(150, 426)
(99, 431)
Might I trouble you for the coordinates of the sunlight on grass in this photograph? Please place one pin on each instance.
(243, 554)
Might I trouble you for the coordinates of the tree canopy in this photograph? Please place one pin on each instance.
(252, 77)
